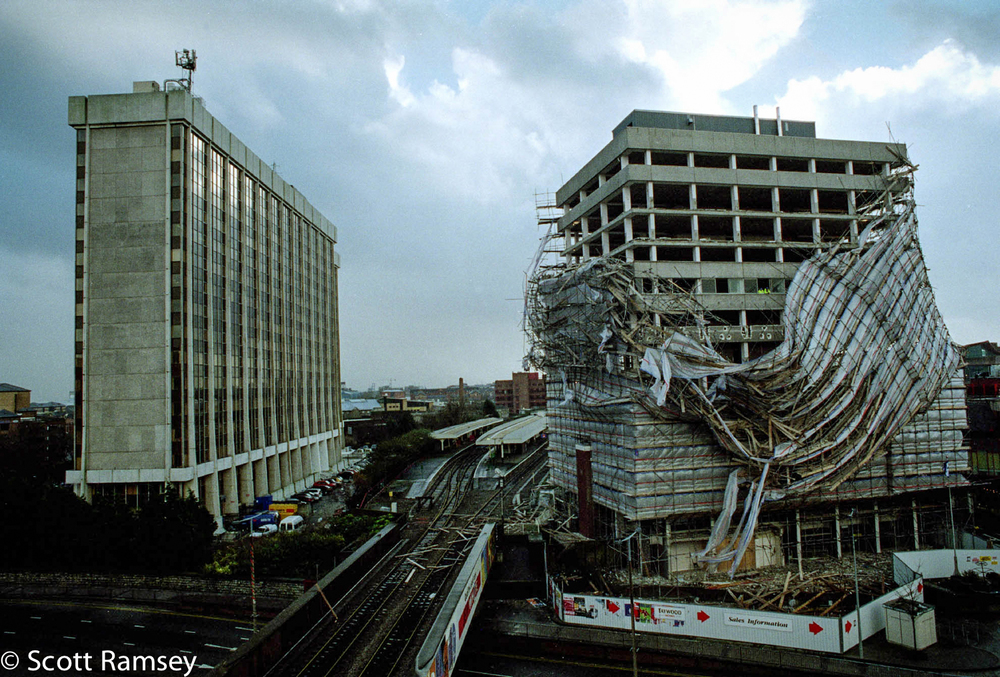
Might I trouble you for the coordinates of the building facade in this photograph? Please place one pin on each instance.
(523, 392)
(207, 336)
(14, 398)
(695, 227)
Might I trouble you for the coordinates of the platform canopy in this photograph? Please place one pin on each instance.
(462, 429)
(518, 431)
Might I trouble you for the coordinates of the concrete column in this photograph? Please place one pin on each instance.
(916, 525)
(627, 197)
(629, 253)
(244, 482)
(231, 504)
(692, 196)
(649, 195)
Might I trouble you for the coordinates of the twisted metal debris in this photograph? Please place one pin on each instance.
(864, 351)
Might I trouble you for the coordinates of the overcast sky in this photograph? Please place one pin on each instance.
(424, 129)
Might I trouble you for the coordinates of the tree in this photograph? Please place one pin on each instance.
(490, 409)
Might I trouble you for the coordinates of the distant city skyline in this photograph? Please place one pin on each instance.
(424, 130)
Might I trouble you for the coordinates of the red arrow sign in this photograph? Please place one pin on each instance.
(815, 628)
(702, 616)
(612, 607)
(848, 626)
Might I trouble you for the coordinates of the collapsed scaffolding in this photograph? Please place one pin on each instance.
(861, 398)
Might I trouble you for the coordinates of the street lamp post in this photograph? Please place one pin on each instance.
(631, 602)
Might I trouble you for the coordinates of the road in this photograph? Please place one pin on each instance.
(108, 634)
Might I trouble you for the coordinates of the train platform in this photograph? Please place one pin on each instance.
(517, 622)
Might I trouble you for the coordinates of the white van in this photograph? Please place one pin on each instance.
(292, 523)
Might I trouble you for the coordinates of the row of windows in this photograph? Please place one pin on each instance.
(261, 293)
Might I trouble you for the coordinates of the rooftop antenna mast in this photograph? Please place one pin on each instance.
(186, 59)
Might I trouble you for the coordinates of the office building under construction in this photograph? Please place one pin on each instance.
(743, 354)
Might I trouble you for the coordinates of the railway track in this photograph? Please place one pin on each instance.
(390, 610)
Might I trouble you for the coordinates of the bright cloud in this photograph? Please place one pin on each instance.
(947, 77)
(703, 48)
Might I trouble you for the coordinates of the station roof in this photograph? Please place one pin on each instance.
(462, 429)
(518, 431)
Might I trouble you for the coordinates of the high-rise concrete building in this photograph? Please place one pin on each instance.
(207, 345)
(713, 328)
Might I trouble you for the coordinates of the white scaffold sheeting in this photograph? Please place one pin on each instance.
(866, 368)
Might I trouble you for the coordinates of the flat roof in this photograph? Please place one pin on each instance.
(518, 431)
(462, 429)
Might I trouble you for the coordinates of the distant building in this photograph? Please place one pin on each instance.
(14, 398)
(523, 392)
(982, 360)
(359, 407)
(982, 399)
(207, 341)
(472, 394)
(403, 404)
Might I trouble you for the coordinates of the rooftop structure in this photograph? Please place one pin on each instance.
(739, 315)
(207, 346)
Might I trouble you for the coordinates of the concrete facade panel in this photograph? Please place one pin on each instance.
(139, 261)
(125, 285)
(127, 362)
(124, 459)
(126, 311)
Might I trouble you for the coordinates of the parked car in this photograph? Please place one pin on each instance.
(264, 530)
(306, 497)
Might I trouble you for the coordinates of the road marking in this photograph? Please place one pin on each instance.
(244, 629)
(190, 632)
(9, 632)
(84, 620)
(216, 646)
(185, 651)
(68, 637)
(244, 639)
(144, 610)
(128, 643)
(141, 626)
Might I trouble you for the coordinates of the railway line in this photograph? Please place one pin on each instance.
(383, 620)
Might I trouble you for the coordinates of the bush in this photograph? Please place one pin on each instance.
(299, 554)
